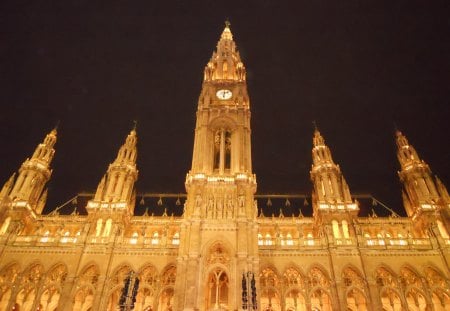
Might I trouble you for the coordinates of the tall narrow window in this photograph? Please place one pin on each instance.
(107, 230)
(227, 150)
(336, 231)
(218, 290)
(222, 150)
(345, 229)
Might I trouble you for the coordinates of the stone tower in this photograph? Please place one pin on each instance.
(219, 225)
(27, 194)
(425, 197)
(333, 205)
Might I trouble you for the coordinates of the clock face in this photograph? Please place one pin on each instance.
(224, 94)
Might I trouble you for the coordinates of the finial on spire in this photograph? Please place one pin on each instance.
(315, 126)
(227, 23)
(135, 125)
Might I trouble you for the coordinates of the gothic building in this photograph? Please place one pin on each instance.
(224, 248)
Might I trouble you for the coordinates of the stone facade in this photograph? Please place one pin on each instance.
(208, 257)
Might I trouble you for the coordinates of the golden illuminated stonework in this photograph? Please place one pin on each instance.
(232, 248)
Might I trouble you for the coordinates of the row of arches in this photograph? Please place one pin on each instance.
(294, 290)
(33, 288)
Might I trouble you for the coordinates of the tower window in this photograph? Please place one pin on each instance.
(222, 150)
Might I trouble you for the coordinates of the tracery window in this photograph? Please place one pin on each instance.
(115, 285)
(222, 150)
(294, 301)
(148, 286)
(87, 283)
(29, 287)
(293, 278)
(320, 300)
(107, 230)
(217, 289)
(440, 287)
(8, 277)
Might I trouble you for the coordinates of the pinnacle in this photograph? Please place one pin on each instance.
(226, 34)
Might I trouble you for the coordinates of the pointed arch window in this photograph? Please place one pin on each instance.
(108, 225)
(155, 238)
(176, 239)
(260, 239)
(345, 229)
(217, 288)
(222, 151)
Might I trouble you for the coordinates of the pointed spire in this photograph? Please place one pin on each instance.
(117, 185)
(35, 173)
(406, 154)
(225, 63)
(226, 33)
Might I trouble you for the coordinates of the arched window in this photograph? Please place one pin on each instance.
(225, 70)
(390, 300)
(134, 238)
(345, 229)
(176, 239)
(289, 240)
(155, 238)
(222, 150)
(268, 239)
(149, 282)
(270, 290)
(45, 237)
(260, 239)
(98, 228)
(87, 282)
(435, 279)
(295, 301)
(117, 281)
(65, 237)
(8, 277)
(356, 300)
(107, 230)
(336, 231)
(217, 289)
(320, 300)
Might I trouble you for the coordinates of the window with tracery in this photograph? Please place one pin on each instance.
(87, 283)
(222, 150)
(320, 300)
(293, 278)
(8, 277)
(116, 284)
(440, 287)
(148, 287)
(217, 289)
(29, 287)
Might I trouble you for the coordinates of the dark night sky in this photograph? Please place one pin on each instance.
(356, 67)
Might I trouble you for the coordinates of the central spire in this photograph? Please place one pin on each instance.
(225, 63)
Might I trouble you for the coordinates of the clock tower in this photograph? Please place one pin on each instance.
(219, 225)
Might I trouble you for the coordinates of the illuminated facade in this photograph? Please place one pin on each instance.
(334, 260)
